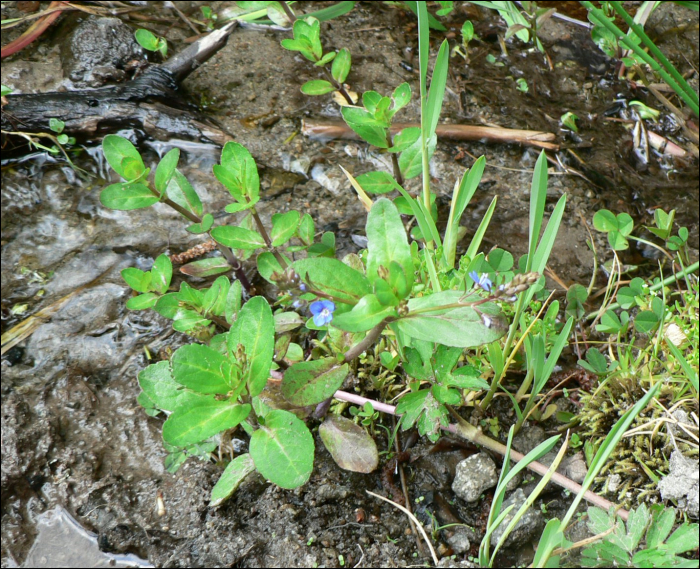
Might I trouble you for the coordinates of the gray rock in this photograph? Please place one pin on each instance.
(474, 475)
(527, 528)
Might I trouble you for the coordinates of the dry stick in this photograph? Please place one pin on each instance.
(540, 139)
(412, 518)
(471, 433)
(404, 486)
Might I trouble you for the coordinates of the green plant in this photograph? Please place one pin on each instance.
(419, 298)
(151, 42)
(645, 541)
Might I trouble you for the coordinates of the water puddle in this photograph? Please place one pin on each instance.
(63, 542)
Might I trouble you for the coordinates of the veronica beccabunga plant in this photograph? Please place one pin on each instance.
(414, 295)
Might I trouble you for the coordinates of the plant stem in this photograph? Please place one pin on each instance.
(368, 340)
(231, 259)
(261, 228)
(394, 160)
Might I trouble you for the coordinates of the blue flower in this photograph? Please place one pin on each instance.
(482, 281)
(322, 311)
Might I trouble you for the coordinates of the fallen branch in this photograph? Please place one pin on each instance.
(145, 102)
(539, 139)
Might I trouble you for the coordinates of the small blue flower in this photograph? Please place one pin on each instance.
(482, 281)
(322, 311)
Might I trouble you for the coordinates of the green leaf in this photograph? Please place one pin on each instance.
(187, 320)
(350, 445)
(286, 321)
(161, 273)
(576, 297)
(215, 298)
(387, 241)
(142, 301)
(422, 409)
(237, 237)
(168, 305)
(283, 449)
(401, 96)
(146, 39)
(267, 265)
(236, 159)
(376, 182)
(206, 267)
(137, 279)
(364, 316)
(158, 384)
(645, 322)
(366, 126)
(200, 418)
(284, 226)
(437, 90)
(306, 229)
(411, 159)
(183, 194)
(334, 278)
(309, 383)
(166, 169)
(203, 226)
(461, 327)
(330, 56)
(405, 138)
(317, 87)
(255, 330)
(125, 197)
(370, 100)
(341, 66)
(233, 301)
(202, 369)
(116, 149)
(231, 479)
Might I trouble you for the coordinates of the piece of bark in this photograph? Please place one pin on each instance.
(144, 103)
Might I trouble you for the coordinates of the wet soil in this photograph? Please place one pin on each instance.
(72, 432)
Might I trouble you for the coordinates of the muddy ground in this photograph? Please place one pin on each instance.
(72, 432)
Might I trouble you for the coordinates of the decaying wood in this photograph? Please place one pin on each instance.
(535, 138)
(146, 102)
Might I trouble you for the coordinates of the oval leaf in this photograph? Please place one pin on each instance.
(201, 369)
(349, 444)
(341, 66)
(364, 316)
(117, 149)
(317, 87)
(284, 226)
(255, 330)
(237, 237)
(231, 479)
(462, 327)
(333, 277)
(157, 382)
(200, 418)
(283, 449)
(166, 169)
(125, 197)
(376, 182)
(206, 267)
(183, 194)
(386, 240)
(309, 383)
